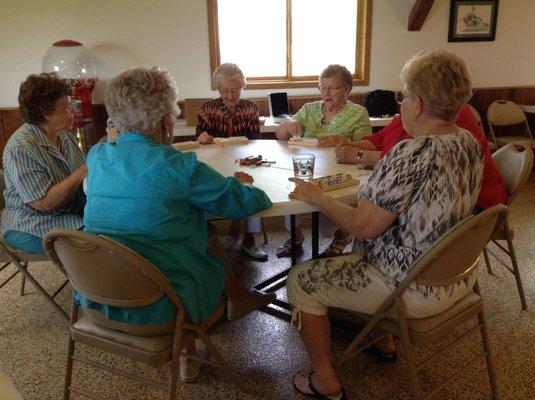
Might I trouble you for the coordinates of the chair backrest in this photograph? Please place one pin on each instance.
(192, 107)
(454, 256)
(515, 167)
(505, 112)
(107, 272)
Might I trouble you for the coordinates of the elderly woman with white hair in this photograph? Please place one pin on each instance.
(419, 190)
(153, 198)
(334, 120)
(228, 116)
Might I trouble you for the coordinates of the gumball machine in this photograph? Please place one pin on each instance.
(75, 63)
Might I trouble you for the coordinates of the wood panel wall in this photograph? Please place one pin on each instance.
(10, 118)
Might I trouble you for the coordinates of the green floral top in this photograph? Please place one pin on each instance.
(352, 121)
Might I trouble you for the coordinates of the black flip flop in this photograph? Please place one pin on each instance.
(317, 395)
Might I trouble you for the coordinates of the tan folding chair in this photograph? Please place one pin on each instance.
(451, 259)
(8, 391)
(515, 167)
(506, 113)
(109, 273)
(19, 259)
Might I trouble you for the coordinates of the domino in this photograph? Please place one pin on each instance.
(334, 182)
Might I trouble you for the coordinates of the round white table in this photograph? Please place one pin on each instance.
(274, 180)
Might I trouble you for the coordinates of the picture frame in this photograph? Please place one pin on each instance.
(473, 20)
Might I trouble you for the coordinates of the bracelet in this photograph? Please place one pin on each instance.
(360, 153)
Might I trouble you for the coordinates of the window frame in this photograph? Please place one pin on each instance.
(362, 62)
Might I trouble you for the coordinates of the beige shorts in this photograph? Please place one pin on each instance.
(349, 282)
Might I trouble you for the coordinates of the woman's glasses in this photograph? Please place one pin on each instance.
(325, 89)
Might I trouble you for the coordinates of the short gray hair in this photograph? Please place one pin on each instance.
(440, 79)
(229, 72)
(339, 72)
(138, 99)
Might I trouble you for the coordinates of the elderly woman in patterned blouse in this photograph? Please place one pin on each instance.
(420, 189)
(334, 120)
(44, 167)
(227, 116)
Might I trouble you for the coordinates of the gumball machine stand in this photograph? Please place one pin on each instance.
(72, 61)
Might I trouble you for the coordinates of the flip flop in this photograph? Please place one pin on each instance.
(317, 395)
(336, 248)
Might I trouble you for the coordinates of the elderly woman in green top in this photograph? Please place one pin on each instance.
(334, 120)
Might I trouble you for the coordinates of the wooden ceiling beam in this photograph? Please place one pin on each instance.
(419, 13)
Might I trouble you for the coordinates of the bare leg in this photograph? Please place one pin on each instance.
(316, 335)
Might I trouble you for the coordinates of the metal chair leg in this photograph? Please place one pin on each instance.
(264, 232)
(23, 279)
(488, 356)
(487, 260)
(516, 271)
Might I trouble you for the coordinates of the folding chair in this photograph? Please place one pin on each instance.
(515, 167)
(492, 145)
(451, 259)
(9, 255)
(506, 113)
(109, 273)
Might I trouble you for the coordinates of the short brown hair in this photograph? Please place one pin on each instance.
(39, 94)
(339, 72)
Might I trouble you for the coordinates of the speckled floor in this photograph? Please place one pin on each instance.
(267, 351)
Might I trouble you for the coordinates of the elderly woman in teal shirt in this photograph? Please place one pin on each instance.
(153, 198)
(334, 120)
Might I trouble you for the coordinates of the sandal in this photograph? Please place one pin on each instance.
(285, 249)
(316, 394)
(336, 247)
(379, 355)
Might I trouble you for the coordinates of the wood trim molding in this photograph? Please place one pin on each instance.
(418, 14)
(213, 37)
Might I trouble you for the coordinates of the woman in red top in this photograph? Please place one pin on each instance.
(375, 146)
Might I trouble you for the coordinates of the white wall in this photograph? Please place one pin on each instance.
(173, 34)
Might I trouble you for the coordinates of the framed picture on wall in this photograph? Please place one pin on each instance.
(473, 20)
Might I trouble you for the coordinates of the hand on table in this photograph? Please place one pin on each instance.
(332, 140)
(288, 129)
(305, 191)
(243, 177)
(205, 138)
(346, 154)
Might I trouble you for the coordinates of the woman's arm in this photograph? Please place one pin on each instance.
(61, 192)
(288, 129)
(366, 221)
(347, 154)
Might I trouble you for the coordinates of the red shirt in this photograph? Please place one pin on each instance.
(492, 188)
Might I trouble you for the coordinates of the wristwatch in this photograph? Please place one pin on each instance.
(358, 162)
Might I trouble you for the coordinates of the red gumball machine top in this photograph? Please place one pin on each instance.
(74, 62)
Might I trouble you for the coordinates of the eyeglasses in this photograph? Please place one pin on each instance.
(226, 92)
(329, 88)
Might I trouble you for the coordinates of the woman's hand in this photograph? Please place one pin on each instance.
(306, 191)
(333, 140)
(288, 129)
(243, 177)
(205, 138)
(346, 154)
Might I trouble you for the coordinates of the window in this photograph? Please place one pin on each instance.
(287, 43)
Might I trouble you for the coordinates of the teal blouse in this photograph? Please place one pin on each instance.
(352, 121)
(152, 198)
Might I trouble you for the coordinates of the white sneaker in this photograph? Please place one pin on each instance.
(189, 368)
(256, 252)
(228, 242)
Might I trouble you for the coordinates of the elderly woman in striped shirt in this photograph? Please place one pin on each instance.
(44, 167)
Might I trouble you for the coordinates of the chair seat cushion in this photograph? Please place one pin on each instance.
(430, 323)
(86, 331)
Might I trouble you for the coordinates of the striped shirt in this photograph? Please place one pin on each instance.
(32, 166)
(216, 119)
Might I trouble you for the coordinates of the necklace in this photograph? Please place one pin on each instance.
(332, 115)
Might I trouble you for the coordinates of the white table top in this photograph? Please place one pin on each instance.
(274, 180)
(269, 125)
(528, 108)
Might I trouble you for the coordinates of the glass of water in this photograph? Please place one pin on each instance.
(304, 166)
